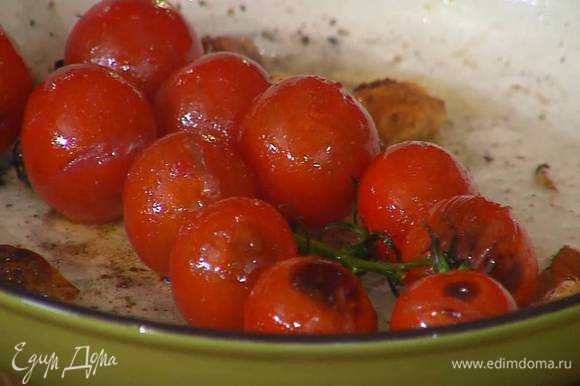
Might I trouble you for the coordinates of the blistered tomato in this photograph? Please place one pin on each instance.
(404, 182)
(308, 295)
(308, 141)
(170, 180)
(450, 298)
(482, 233)
(210, 96)
(15, 86)
(219, 254)
(144, 40)
(82, 128)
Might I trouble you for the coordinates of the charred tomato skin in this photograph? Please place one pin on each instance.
(404, 182)
(15, 86)
(174, 177)
(211, 95)
(308, 295)
(449, 298)
(307, 139)
(82, 128)
(218, 255)
(144, 40)
(486, 235)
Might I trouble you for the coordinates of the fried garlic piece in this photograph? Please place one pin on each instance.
(276, 77)
(401, 110)
(563, 289)
(21, 268)
(561, 278)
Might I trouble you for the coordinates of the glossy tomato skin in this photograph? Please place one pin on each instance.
(486, 235)
(307, 139)
(309, 295)
(144, 40)
(450, 298)
(405, 181)
(176, 176)
(218, 255)
(15, 86)
(211, 95)
(82, 128)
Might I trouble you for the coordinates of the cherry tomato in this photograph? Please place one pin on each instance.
(218, 255)
(171, 179)
(405, 181)
(144, 40)
(486, 235)
(15, 86)
(308, 295)
(210, 95)
(83, 126)
(307, 139)
(449, 298)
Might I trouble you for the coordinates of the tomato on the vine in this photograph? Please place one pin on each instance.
(309, 295)
(218, 255)
(404, 182)
(307, 140)
(82, 128)
(144, 40)
(211, 95)
(449, 298)
(176, 176)
(15, 86)
(482, 233)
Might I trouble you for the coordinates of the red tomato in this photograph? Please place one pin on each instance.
(210, 95)
(15, 86)
(171, 179)
(83, 126)
(144, 40)
(486, 235)
(405, 181)
(218, 255)
(307, 139)
(449, 298)
(308, 295)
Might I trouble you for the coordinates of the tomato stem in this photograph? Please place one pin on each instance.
(445, 260)
(359, 230)
(394, 271)
(439, 259)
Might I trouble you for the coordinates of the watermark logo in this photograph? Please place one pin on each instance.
(82, 359)
(512, 364)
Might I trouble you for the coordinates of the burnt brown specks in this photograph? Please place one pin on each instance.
(323, 282)
(461, 290)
